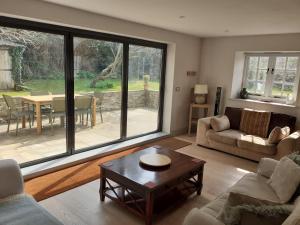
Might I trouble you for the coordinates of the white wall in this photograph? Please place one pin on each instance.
(217, 64)
(183, 50)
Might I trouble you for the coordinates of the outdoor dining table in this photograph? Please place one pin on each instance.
(40, 100)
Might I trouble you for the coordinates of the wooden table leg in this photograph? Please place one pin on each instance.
(149, 208)
(102, 188)
(200, 181)
(23, 118)
(38, 118)
(94, 107)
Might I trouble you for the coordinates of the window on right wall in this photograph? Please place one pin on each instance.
(272, 77)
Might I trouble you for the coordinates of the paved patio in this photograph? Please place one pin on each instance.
(28, 146)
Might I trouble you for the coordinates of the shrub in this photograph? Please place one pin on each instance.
(105, 84)
(85, 75)
(56, 76)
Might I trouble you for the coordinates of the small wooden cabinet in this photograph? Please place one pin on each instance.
(194, 120)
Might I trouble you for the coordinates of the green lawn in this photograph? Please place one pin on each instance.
(81, 85)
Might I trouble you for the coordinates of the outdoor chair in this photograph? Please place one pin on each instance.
(16, 112)
(99, 101)
(83, 105)
(57, 108)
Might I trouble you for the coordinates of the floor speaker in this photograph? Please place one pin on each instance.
(218, 101)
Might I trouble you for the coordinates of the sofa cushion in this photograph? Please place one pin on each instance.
(220, 123)
(234, 115)
(228, 137)
(256, 144)
(215, 207)
(196, 215)
(255, 186)
(282, 120)
(285, 179)
(23, 209)
(266, 167)
(255, 122)
(277, 134)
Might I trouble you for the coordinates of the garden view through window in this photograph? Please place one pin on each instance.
(273, 76)
(34, 110)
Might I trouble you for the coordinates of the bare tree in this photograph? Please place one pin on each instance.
(23, 37)
(110, 69)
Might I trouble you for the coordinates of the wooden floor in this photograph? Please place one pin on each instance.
(81, 206)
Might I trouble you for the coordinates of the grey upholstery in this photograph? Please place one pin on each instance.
(17, 208)
(11, 180)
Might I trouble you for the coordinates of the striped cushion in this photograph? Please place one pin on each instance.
(277, 134)
(255, 122)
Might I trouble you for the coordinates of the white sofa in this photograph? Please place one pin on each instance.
(257, 183)
(17, 208)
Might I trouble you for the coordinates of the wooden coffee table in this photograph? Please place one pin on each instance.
(140, 188)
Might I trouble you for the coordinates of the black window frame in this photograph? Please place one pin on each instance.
(69, 33)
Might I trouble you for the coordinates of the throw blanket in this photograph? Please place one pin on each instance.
(232, 215)
(24, 210)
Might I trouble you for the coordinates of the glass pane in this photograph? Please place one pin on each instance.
(98, 75)
(280, 63)
(253, 63)
(251, 75)
(287, 89)
(278, 75)
(251, 86)
(260, 87)
(292, 63)
(143, 89)
(276, 89)
(263, 62)
(290, 77)
(31, 73)
(262, 75)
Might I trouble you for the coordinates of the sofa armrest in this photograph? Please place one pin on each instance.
(11, 179)
(266, 167)
(288, 145)
(197, 217)
(202, 127)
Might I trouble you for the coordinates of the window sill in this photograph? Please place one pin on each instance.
(264, 103)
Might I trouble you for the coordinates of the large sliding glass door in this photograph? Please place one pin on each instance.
(65, 90)
(32, 71)
(98, 87)
(144, 80)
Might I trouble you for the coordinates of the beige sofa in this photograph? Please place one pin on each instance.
(238, 143)
(257, 184)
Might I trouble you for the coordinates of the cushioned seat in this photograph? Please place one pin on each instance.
(214, 208)
(256, 144)
(258, 185)
(229, 137)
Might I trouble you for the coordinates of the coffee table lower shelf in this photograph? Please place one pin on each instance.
(168, 198)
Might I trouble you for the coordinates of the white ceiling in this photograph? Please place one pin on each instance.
(202, 17)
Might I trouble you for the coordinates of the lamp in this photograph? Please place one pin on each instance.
(200, 92)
